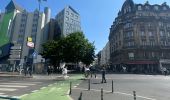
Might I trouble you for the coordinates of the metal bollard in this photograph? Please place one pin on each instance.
(80, 97)
(112, 87)
(101, 93)
(134, 94)
(95, 75)
(70, 88)
(89, 85)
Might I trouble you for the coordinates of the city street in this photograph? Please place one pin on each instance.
(17, 87)
(147, 87)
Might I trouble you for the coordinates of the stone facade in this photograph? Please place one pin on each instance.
(140, 37)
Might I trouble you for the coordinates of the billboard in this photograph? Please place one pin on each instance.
(4, 28)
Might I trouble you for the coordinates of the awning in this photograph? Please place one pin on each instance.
(141, 62)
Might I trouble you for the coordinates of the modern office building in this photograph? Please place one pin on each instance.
(140, 37)
(68, 21)
(19, 26)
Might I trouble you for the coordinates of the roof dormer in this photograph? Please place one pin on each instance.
(127, 6)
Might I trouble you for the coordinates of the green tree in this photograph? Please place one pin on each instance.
(72, 48)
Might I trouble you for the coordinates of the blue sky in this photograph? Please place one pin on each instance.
(97, 16)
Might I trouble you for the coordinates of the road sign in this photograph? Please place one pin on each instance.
(15, 52)
(34, 54)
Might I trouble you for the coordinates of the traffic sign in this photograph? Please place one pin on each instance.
(34, 54)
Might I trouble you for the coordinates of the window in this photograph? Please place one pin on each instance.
(153, 54)
(150, 34)
(144, 54)
(76, 17)
(168, 25)
(168, 34)
(139, 7)
(162, 33)
(152, 43)
(131, 55)
(142, 33)
(129, 34)
(131, 43)
(147, 7)
(128, 25)
(67, 12)
(149, 25)
(20, 36)
(72, 15)
(163, 43)
(119, 42)
(164, 8)
(144, 43)
(72, 20)
(156, 7)
(67, 18)
(160, 24)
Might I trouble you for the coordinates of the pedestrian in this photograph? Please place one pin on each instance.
(30, 70)
(48, 70)
(64, 72)
(103, 75)
(87, 71)
(165, 71)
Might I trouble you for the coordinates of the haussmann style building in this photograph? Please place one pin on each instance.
(140, 38)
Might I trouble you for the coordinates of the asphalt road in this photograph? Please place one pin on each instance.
(18, 86)
(147, 87)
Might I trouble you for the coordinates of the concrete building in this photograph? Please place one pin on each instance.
(20, 25)
(140, 37)
(68, 20)
(105, 55)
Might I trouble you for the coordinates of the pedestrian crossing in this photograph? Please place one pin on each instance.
(8, 87)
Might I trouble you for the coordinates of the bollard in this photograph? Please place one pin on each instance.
(91, 75)
(134, 94)
(70, 88)
(95, 75)
(101, 93)
(80, 97)
(89, 85)
(112, 87)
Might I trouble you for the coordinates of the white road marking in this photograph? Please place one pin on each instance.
(75, 86)
(2, 93)
(50, 85)
(24, 82)
(17, 83)
(7, 89)
(23, 95)
(35, 91)
(17, 86)
(43, 88)
(120, 93)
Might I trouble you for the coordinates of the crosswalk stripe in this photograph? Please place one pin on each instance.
(17, 84)
(14, 86)
(24, 82)
(7, 89)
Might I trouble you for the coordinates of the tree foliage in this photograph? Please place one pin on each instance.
(73, 48)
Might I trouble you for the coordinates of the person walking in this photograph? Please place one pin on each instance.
(103, 75)
(48, 70)
(64, 72)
